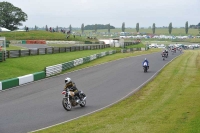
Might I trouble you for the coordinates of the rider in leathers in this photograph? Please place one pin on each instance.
(145, 60)
(72, 87)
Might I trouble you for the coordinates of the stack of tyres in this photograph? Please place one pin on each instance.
(2, 56)
(23, 41)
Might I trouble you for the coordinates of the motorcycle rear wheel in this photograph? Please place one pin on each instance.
(145, 69)
(66, 105)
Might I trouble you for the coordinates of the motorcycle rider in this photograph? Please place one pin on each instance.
(69, 84)
(145, 62)
(164, 53)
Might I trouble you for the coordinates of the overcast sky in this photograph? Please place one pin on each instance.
(75, 12)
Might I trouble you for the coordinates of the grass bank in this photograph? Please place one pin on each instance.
(169, 104)
(14, 67)
(39, 35)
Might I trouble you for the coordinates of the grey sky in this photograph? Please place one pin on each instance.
(75, 12)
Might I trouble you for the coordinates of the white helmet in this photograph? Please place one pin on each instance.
(145, 59)
(67, 80)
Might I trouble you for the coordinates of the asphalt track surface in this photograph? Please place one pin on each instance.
(38, 105)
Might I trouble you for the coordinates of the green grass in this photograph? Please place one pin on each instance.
(168, 104)
(14, 67)
(39, 35)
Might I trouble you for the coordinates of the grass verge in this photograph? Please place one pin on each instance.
(169, 104)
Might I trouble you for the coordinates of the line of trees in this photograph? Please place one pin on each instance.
(11, 17)
(98, 26)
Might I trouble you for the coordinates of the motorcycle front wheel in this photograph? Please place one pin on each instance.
(83, 103)
(67, 105)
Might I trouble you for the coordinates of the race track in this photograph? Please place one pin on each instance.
(38, 105)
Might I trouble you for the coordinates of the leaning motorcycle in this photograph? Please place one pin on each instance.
(71, 100)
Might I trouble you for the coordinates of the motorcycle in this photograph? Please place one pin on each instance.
(164, 55)
(145, 68)
(71, 100)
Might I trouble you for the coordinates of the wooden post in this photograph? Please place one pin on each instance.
(19, 53)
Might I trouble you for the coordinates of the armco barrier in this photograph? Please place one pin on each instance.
(52, 70)
(93, 57)
(0, 86)
(5, 84)
(86, 59)
(39, 75)
(103, 53)
(78, 61)
(98, 56)
(25, 79)
(50, 50)
(1, 56)
(67, 65)
(9, 83)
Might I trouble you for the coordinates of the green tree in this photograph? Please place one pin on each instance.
(100, 26)
(154, 28)
(199, 29)
(186, 27)
(95, 28)
(108, 28)
(70, 28)
(123, 27)
(170, 28)
(137, 27)
(82, 28)
(47, 28)
(11, 16)
(57, 29)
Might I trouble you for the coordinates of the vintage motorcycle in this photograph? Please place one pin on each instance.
(71, 100)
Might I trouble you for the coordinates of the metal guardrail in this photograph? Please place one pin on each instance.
(55, 69)
(51, 50)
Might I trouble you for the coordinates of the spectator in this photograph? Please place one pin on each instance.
(27, 29)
